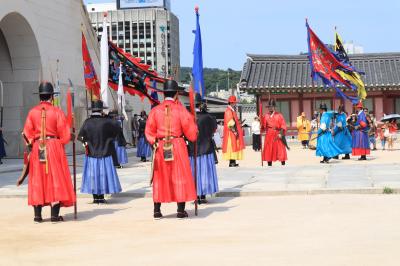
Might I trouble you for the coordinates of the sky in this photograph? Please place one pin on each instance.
(232, 29)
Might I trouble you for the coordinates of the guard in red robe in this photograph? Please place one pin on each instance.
(275, 127)
(47, 131)
(233, 145)
(167, 126)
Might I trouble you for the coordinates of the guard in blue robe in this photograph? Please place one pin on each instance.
(2, 148)
(342, 135)
(206, 158)
(143, 146)
(360, 143)
(326, 146)
(98, 133)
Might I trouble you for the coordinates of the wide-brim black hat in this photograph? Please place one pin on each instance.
(46, 88)
(171, 85)
(271, 103)
(323, 106)
(97, 106)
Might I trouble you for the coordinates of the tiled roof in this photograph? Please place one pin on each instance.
(293, 71)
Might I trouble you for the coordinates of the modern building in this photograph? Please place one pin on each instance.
(151, 33)
(286, 78)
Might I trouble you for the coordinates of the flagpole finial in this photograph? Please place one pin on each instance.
(196, 9)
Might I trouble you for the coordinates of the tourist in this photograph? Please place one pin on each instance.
(233, 142)
(2, 148)
(256, 131)
(312, 144)
(275, 135)
(47, 131)
(360, 145)
(326, 146)
(384, 134)
(206, 172)
(392, 126)
(372, 132)
(98, 134)
(303, 128)
(135, 128)
(167, 127)
(342, 135)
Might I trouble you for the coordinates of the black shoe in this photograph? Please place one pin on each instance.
(269, 163)
(102, 201)
(346, 157)
(157, 215)
(182, 215)
(38, 219)
(38, 214)
(336, 157)
(324, 161)
(283, 163)
(55, 211)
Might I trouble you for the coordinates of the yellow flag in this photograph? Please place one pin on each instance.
(356, 80)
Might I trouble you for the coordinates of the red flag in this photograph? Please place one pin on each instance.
(69, 108)
(323, 61)
(91, 80)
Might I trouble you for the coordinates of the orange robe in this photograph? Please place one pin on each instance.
(55, 185)
(274, 149)
(172, 180)
(233, 145)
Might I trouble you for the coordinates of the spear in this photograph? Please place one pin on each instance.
(193, 111)
(71, 122)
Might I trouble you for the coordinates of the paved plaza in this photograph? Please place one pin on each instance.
(304, 213)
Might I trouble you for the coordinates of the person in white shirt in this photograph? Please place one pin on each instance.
(255, 129)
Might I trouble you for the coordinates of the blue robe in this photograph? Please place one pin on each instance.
(360, 143)
(326, 147)
(342, 134)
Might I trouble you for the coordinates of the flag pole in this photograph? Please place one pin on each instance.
(260, 115)
(73, 147)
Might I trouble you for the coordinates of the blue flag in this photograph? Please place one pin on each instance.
(197, 70)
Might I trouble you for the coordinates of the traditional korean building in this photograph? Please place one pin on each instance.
(286, 78)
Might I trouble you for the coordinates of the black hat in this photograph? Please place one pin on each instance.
(271, 103)
(171, 85)
(323, 106)
(46, 88)
(97, 106)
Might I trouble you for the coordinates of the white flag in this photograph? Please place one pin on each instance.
(104, 61)
(121, 94)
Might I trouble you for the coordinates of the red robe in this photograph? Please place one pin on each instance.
(274, 149)
(237, 142)
(172, 180)
(56, 185)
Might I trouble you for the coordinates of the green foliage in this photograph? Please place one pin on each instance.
(388, 190)
(212, 77)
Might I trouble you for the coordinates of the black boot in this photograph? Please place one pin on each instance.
(38, 214)
(283, 162)
(269, 163)
(95, 199)
(101, 199)
(157, 210)
(203, 199)
(55, 211)
(198, 200)
(181, 211)
(346, 157)
(336, 157)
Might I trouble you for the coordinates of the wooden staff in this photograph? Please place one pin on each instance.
(73, 129)
(193, 111)
(260, 114)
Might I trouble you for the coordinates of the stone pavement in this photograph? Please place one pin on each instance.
(303, 174)
(328, 230)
